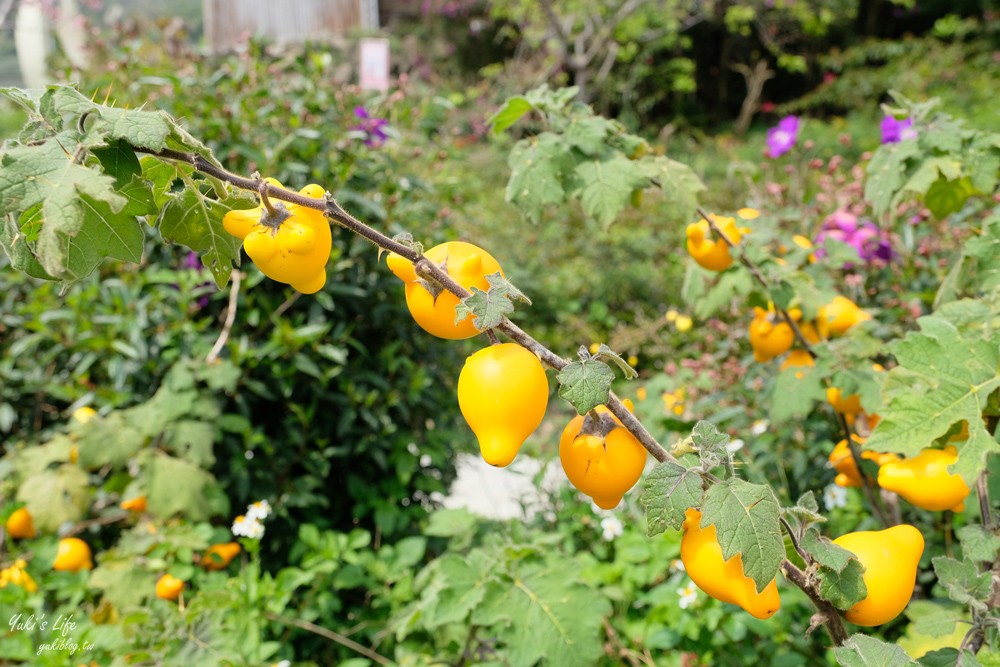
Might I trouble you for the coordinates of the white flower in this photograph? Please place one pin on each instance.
(834, 496)
(735, 445)
(259, 510)
(677, 565)
(688, 595)
(248, 527)
(283, 663)
(759, 426)
(612, 527)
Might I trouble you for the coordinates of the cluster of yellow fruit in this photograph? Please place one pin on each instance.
(713, 253)
(890, 558)
(73, 554)
(922, 480)
(771, 335)
(503, 391)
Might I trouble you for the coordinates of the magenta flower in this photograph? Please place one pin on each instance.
(373, 128)
(780, 139)
(894, 131)
(871, 243)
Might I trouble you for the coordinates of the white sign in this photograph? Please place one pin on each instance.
(374, 64)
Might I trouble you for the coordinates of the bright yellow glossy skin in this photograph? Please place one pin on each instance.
(219, 556)
(137, 504)
(604, 470)
(295, 253)
(847, 471)
(84, 414)
(841, 314)
(890, 558)
(722, 579)
(768, 338)
(16, 575)
(798, 359)
(73, 555)
(502, 393)
(20, 524)
(849, 406)
(713, 254)
(924, 480)
(169, 587)
(467, 264)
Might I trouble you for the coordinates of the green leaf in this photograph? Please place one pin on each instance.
(679, 183)
(609, 356)
(825, 552)
(47, 174)
(544, 612)
(162, 176)
(745, 517)
(104, 233)
(119, 161)
(589, 134)
(605, 186)
(845, 588)
(586, 384)
(140, 197)
(193, 220)
(668, 490)
(865, 651)
(806, 510)
(55, 496)
(122, 581)
(963, 581)
(15, 244)
(933, 619)
(537, 169)
(450, 522)
(176, 486)
(509, 113)
(192, 440)
(489, 308)
(944, 376)
(946, 197)
(978, 544)
(887, 173)
(710, 444)
(111, 440)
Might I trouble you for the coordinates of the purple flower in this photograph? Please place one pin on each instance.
(871, 243)
(373, 128)
(894, 131)
(780, 139)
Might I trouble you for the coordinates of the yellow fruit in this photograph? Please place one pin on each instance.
(17, 575)
(468, 265)
(219, 556)
(83, 415)
(890, 558)
(683, 323)
(604, 470)
(169, 587)
(841, 314)
(798, 359)
(137, 504)
(73, 555)
(769, 338)
(722, 579)
(713, 254)
(20, 524)
(923, 480)
(849, 406)
(502, 393)
(847, 471)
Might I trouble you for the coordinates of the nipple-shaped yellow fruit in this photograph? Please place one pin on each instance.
(468, 265)
(713, 254)
(604, 469)
(769, 336)
(890, 558)
(841, 314)
(924, 480)
(502, 393)
(722, 579)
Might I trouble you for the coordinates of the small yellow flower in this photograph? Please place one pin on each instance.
(594, 347)
(633, 360)
(683, 323)
(802, 242)
(679, 409)
(671, 315)
(748, 213)
(640, 393)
